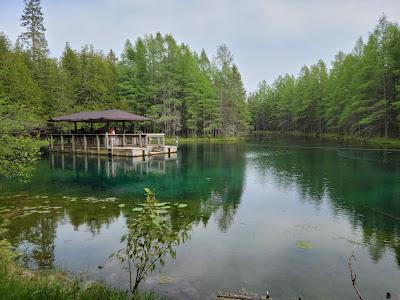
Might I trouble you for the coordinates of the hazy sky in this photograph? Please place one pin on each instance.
(267, 38)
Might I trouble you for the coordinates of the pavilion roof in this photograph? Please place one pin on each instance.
(100, 116)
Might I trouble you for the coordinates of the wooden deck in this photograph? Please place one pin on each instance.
(129, 145)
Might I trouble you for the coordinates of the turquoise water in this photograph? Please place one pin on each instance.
(250, 205)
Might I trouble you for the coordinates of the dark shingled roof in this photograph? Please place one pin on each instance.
(100, 116)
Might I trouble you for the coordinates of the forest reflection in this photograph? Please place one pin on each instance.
(361, 184)
(85, 192)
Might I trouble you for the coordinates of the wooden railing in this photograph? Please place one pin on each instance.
(109, 141)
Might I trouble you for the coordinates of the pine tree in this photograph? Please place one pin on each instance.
(230, 93)
(34, 36)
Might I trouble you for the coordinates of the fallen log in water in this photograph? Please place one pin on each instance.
(234, 296)
(243, 295)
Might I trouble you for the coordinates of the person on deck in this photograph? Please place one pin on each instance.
(111, 130)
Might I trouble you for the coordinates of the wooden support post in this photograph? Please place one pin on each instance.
(84, 143)
(98, 144)
(73, 143)
(98, 165)
(76, 129)
(124, 139)
(62, 142)
(91, 127)
(140, 140)
(51, 143)
(112, 145)
(106, 144)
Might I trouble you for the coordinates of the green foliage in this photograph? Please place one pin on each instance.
(149, 240)
(19, 283)
(358, 95)
(182, 91)
(18, 156)
(7, 253)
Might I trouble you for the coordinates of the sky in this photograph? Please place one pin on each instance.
(267, 37)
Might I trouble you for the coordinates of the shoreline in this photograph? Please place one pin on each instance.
(18, 282)
(190, 140)
(394, 142)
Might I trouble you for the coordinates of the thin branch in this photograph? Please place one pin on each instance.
(353, 275)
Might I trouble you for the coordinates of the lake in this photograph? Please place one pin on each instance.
(276, 215)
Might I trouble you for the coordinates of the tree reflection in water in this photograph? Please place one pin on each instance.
(209, 177)
(359, 183)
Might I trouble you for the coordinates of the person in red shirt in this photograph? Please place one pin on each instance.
(111, 130)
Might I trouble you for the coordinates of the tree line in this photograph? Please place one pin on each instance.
(359, 94)
(184, 92)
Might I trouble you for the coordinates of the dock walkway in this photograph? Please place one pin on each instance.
(130, 145)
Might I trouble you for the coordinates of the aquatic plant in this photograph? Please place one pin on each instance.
(150, 239)
(305, 245)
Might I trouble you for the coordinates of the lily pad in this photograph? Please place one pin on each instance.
(182, 205)
(305, 245)
(111, 199)
(137, 209)
(121, 205)
(162, 211)
(165, 280)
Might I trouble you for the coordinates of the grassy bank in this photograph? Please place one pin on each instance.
(188, 140)
(394, 142)
(19, 283)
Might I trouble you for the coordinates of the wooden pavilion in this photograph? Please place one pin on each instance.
(122, 144)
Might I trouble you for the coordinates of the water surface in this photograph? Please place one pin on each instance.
(250, 205)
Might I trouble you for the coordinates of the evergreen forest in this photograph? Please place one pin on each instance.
(188, 93)
(359, 94)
